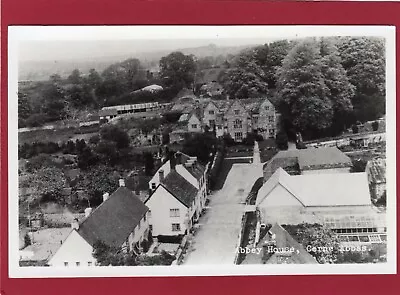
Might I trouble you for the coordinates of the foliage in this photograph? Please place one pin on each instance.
(354, 128)
(215, 169)
(363, 58)
(98, 180)
(115, 134)
(53, 101)
(177, 70)
(341, 91)
(359, 165)
(282, 140)
(200, 145)
(228, 140)
(46, 184)
(27, 150)
(245, 78)
(106, 255)
(375, 125)
(27, 240)
(382, 200)
(148, 164)
(172, 117)
(35, 120)
(316, 235)
(251, 138)
(302, 89)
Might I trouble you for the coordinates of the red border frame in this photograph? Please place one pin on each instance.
(72, 12)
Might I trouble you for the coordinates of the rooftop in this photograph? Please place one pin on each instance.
(114, 219)
(319, 190)
(178, 186)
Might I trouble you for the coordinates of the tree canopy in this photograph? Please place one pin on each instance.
(177, 70)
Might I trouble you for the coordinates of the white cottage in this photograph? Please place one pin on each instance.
(120, 221)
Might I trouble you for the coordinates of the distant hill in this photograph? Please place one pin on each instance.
(41, 70)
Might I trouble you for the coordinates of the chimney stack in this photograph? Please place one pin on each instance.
(161, 175)
(105, 196)
(121, 182)
(75, 224)
(88, 211)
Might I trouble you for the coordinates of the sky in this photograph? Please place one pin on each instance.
(65, 50)
(83, 42)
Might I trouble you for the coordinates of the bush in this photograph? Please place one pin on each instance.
(375, 125)
(282, 140)
(354, 128)
(27, 240)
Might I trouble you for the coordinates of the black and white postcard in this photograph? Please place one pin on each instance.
(201, 150)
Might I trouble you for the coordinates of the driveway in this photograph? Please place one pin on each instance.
(216, 239)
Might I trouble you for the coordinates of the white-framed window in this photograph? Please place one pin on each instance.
(237, 112)
(65, 263)
(176, 227)
(89, 263)
(194, 126)
(237, 124)
(211, 112)
(174, 212)
(153, 185)
(77, 263)
(238, 136)
(267, 108)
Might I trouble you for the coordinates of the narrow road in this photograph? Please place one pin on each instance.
(217, 237)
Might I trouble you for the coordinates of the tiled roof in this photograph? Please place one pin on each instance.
(377, 170)
(178, 186)
(114, 219)
(323, 157)
(314, 158)
(197, 170)
(284, 240)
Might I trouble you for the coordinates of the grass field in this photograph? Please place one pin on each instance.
(54, 135)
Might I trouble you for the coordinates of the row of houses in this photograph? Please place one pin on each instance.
(177, 198)
(237, 118)
(316, 185)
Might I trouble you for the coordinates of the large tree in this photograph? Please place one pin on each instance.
(364, 60)
(177, 70)
(54, 101)
(341, 91)
(245, 78)
(115, 134)
(302, 90)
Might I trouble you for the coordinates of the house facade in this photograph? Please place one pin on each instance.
(173, 206)
(237, 121)
(125, 230)
(265, 121)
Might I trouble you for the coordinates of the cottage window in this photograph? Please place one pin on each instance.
(237, 112)
(211, 112)
(237, 124)
(153, 185)
(271, 119)
(174, 212)
(212, 123)
(267, 108)
(238, 136)
(176, 227)
(77, 263)
(194, 126)
(151, 227)
(149, 213)
(89, 263)
(65, 263)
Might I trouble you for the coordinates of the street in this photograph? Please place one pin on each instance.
(216, 239)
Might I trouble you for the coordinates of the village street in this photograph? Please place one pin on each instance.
(217, 238)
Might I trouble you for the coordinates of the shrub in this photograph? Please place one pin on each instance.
(375, 125)
(27, 240)
(282, 140)
(354, 128)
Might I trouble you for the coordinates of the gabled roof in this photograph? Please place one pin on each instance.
(319, 190)
(314, 158)
(180, 188)
(323, 157)
(114, 219)
(284, 240)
